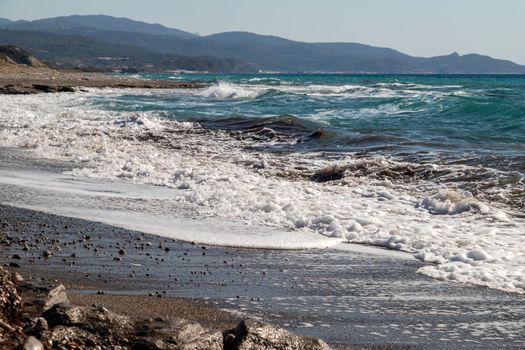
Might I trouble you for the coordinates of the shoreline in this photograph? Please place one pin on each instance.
(26, 80)
(347, 299)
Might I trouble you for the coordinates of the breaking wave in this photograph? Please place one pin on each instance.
(229, 156)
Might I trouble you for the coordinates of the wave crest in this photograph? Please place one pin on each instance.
(226, 91)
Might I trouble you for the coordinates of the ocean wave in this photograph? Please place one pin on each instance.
(287, 124)
(396, 85)
(226, 91)
(217, 174)
(233, 91)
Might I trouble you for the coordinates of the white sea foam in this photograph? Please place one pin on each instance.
(233, 91)
(224, 90)
(463, 239)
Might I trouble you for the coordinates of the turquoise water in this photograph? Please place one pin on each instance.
(471, 119)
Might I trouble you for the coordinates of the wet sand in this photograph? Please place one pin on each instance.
(200, 311)
(346, 298)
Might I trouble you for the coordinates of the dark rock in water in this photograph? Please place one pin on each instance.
(312, 136)
(13, 264)
(47, 254)
(317, 134)
(330, 173)
(33, 89)
(64, 89)
(42, 88)
(52, 88)
(255, 335)
(32, 343)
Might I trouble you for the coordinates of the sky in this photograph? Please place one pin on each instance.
(416, 27)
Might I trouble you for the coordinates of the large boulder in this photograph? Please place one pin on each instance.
(97, 320)
(180, 335)
(40, 297)
(192, 336)
(256, 335)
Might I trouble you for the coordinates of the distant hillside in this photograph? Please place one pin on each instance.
(103, 22)
(241, 51)
(4, 21)
(471, 63)
(83, 52)
(14, 55)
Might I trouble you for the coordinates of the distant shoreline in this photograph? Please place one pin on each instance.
(19, 80)
(23, 80)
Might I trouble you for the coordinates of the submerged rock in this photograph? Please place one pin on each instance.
(332, 172)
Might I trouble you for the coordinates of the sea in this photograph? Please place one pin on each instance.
(429, 165)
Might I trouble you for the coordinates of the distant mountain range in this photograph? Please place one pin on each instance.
(109, 42)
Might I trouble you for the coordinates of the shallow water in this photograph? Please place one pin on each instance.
(417, 164)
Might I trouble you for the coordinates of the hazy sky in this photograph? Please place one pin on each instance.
(417, 27)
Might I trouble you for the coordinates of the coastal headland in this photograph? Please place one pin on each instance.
(21, 73)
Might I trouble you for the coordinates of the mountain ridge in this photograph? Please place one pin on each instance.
(265, 52)
(97, 21)
(84, 52)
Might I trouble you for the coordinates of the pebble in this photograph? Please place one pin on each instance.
(41, 325)
(32, 343)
